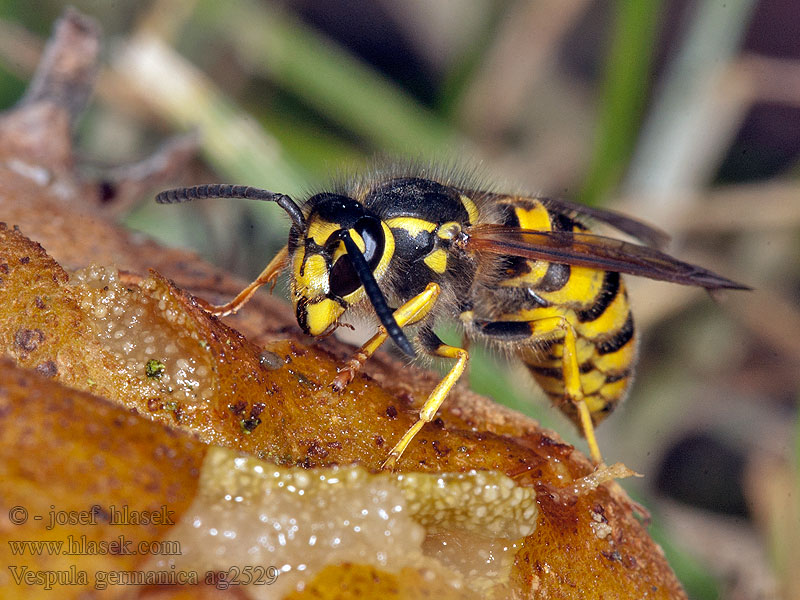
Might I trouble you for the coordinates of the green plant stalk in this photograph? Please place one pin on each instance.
(233, 143)
(624, 93)
(672, 152)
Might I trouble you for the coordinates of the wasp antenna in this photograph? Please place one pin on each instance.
(226, 190)
(375, 295)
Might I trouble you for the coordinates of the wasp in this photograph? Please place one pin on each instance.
(523, 274)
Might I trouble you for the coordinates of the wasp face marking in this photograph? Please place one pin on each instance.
(324, 280)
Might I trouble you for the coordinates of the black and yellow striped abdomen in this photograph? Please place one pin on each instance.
(593, 302)
(605, 344)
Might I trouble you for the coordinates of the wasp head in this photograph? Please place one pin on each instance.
(337, 261)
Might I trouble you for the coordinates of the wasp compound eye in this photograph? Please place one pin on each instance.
(375, 294)
(343, 277)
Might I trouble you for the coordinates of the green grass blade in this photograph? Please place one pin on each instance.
(624, 94)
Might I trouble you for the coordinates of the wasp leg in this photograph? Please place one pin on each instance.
(465, 345)
(436, 347)
(556, 328)
(410, 312)
(268, 275)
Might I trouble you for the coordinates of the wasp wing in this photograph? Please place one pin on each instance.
(595, 251)
(650, 235)
(644, 232)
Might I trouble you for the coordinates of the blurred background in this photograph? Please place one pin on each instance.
(682, 113)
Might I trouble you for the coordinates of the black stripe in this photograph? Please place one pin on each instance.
(561, 222)
(552, 372)
(558, 372)
(506, 330)
(619, 339)
(515, 266)
(554, 279)
(614, 377)
(509, 215)
(606, 296)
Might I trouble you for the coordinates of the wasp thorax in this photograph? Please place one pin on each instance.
(325, 280)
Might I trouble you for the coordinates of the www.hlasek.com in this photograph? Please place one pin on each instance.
(82, 546)
(249, 575)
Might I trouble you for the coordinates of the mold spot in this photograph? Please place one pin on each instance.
(47, 368)
(249, 425)
(238, 407)
(28, 340)
(270, 360)
(154, 368)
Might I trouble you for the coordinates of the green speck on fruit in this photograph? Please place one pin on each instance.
(248, 425)
(154, 368)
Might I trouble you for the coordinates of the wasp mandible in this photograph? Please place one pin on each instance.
(521, 273)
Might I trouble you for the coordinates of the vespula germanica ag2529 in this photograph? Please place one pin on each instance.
(524, 274)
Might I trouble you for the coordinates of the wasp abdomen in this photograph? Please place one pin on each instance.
(550, 297)
(605, 372)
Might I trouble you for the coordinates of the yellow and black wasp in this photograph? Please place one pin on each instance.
(521, 273)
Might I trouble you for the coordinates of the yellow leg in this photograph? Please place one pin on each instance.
(409, 313)
(433, 402)
(574, 391)
(572, 377)
(553, 328)
(268, 275)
